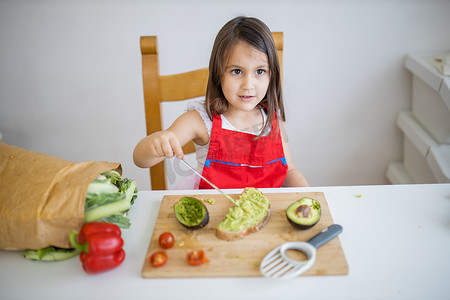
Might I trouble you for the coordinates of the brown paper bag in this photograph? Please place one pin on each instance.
(42, 197)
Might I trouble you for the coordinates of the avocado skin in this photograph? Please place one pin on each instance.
(295, 205)
(204, 221)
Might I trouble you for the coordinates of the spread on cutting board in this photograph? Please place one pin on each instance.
(212, 236)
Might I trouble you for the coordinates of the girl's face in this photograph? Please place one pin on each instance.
(246, 77)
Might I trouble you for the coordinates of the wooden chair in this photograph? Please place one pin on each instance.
(175, 87)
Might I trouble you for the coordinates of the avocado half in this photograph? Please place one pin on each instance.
(191, 213)
(304, 213)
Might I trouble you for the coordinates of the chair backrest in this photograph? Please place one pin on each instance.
(175, 87)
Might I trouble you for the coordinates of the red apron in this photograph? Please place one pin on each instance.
(236, 160)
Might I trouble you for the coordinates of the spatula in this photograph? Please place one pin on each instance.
(277, 264)
(209, 182)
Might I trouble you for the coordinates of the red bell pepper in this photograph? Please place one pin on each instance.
(99, 263)
(97, 227)
(100, 245)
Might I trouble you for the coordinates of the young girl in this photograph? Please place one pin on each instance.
(236, 130)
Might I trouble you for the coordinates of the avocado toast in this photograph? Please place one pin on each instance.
(251, 216)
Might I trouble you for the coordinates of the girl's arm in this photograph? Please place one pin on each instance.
(168, 143)
(294, 177)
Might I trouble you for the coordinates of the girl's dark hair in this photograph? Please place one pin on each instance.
(257, 34)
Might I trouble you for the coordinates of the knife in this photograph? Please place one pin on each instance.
(209, 182)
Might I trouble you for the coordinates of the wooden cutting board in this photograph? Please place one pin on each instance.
(239, 258)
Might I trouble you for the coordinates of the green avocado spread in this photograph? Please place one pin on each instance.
(253, 208)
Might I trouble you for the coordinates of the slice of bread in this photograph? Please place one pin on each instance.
(251, 216)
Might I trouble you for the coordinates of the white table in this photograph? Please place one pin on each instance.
(396, 240)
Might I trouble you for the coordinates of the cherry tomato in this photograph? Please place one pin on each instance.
(196, 257)
(158, 259)
(166, 240)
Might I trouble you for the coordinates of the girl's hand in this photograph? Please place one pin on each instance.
(156, 147)
(164, 144)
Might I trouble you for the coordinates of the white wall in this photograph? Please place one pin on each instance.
(71, 84)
